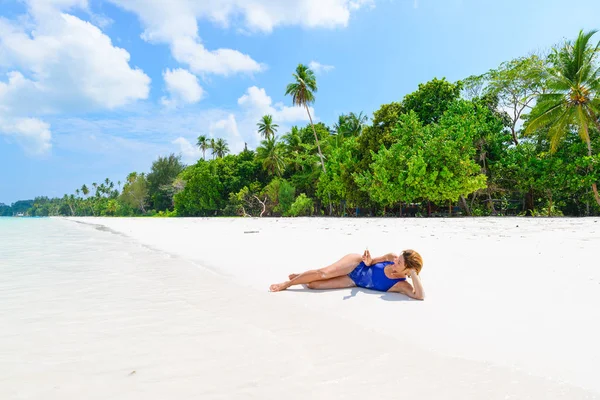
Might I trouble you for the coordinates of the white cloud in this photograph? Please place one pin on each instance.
(318, 67)
(189, 152)
(257, 103)
(175, 22)
(158, 133)
(71, 62)
(182, 86)
(30, 133)
(222, 61)
(59, 63)
(227, 128)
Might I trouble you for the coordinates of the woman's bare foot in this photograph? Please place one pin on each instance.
(292, 276)
(278, 287)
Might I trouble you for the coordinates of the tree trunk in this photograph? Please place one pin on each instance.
(465, 205)
(529, 203)
(595, 189)
(514, 132)
(316, 138)
(263, 203)
(318, 148)
(589, 147)
(491, 202)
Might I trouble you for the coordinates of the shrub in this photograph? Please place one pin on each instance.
(302, 206)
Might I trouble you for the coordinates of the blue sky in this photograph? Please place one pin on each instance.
(91, 89)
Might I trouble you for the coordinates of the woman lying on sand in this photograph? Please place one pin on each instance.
(385, 274)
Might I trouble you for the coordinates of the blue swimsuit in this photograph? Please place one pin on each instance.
(373, 277)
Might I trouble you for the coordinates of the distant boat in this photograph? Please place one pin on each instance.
(20, 215)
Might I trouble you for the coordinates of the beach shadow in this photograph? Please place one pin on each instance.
(353, 292)
(387, 296)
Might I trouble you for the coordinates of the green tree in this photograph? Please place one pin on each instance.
(270, 155)
(293, 148)
(135, 191)
(432, 99)
(515, 84)
(572, 99)
(163, 173)
(203, 144)
(302, 206)
(350, 125)
(302, 91)
(266, 127)
(281, 194)
(220, 148)
(202, 194)
(211, 146)
(433, 162)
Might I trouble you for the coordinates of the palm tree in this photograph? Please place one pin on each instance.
(302, 91)
(266, 127)
(211, 146)
(341, 127)
(85, 190)
(270, 153)
(293, 146)
(356, 123)
(573, 95)
(203, 144)
(220, 148)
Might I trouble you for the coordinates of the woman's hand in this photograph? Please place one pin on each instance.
(410, 272)
(367, 258)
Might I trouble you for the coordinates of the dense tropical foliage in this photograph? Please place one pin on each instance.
(520, 139)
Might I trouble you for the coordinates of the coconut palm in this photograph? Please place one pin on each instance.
(270, 153)
(573, 96)
(302, 91)
(266, 127)
(293, 146)
(356, 123)
(211, 146)
(203, 144)
(220, 148)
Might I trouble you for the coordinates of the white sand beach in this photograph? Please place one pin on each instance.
(512, 311)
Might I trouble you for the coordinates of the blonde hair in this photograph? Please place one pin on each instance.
(413, 260)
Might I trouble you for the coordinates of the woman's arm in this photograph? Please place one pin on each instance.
(370, 261)
(417, 293)
(387, 257)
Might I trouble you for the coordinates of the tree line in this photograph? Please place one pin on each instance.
(520, 139)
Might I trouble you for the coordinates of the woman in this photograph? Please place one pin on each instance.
(387, 273)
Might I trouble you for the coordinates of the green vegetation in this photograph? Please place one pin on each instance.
(521, 139)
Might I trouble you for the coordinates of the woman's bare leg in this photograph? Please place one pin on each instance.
(343, 266)
(341, 282)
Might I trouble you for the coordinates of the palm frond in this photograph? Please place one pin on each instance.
(583, 121)
(559, 128)
(547, 117)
